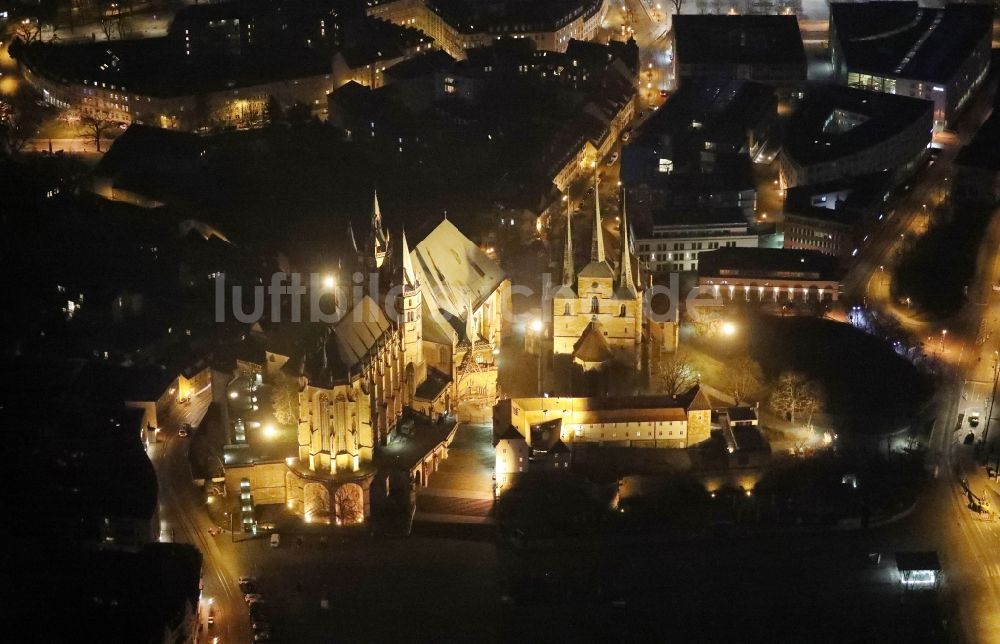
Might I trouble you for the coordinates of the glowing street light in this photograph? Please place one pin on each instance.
(536, 325)
(270, 431)
(728, 329)
(329, 282)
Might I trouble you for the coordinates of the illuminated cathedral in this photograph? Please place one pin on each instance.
(424, 339)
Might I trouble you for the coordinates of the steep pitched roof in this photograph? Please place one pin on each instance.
(454, 271)
(360, 330)
(592, 345)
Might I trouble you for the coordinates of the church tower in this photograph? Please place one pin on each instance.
(410, 312)
(569, 271)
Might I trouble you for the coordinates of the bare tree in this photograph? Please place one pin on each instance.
(349, 507)
(285, 400)
(794, 394)
(20, 116)
(677, 4)
(93, 128)
(28, 31)
(744, 378)
(676, 375)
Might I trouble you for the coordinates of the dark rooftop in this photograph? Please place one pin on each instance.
(768, 263)
(433, 385)
(917, 560)
(843, 201)
(423, 64)
(415, 437)
(511, 16)
(158, 67)
(834, 122)
(984, 149)
(743, 39)
(710, 110)
(701, 217)
(908, 41)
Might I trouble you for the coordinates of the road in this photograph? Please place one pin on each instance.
(965, 346)
(183, 519)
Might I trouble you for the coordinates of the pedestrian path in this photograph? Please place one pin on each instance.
(461, 490)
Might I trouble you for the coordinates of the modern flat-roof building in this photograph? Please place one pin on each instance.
(457, 25)
(678, 238)
(938, 54)
(766, 49)
(832, 217)
(764, 275)
(838, 132)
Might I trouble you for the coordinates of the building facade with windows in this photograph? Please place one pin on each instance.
(458, 25)
(769, 275)
(833, 218)
(541, 433)
(677, 239)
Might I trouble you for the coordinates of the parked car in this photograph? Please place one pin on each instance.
(275, 540)
(250, 598)
(248, 585)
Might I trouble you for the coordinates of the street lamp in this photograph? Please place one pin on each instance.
(329, 282)
(728, 329)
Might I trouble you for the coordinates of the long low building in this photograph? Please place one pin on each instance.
(766, 275)
(458, 25)
(540, 433)
(678, 238)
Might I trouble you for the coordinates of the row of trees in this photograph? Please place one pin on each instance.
(792, 396)
(112, 16)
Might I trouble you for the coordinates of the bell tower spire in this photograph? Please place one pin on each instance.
(569, 274)
(597, 247)
(625, 270)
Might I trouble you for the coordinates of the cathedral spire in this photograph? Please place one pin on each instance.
(409, 279)
(378, 241)
(376, 211)
(625, 270)
(569, 274)
(597, 247)
(352, 242)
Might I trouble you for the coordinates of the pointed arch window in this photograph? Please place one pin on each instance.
(595, 306)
